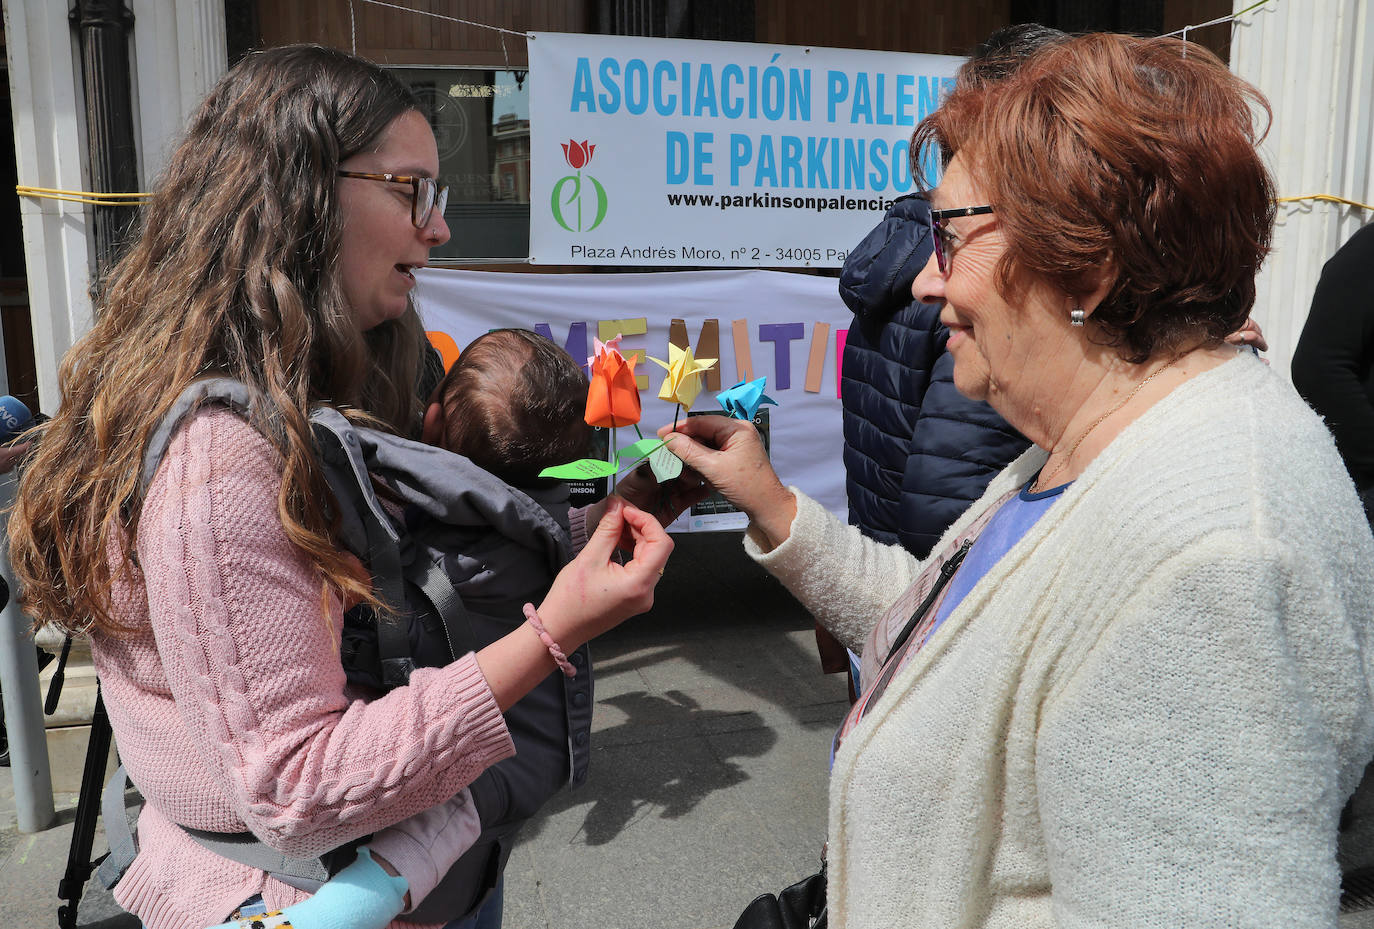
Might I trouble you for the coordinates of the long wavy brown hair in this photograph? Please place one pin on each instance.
(234, 271)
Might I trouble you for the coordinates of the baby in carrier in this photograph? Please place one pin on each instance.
(513, 405)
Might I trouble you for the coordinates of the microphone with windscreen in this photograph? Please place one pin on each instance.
(14, 417)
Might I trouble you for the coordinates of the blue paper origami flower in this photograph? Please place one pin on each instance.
(742, 401)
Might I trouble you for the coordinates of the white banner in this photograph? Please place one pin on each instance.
(787, 327)
(680, 152)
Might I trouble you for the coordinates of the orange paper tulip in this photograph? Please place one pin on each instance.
(612, 395)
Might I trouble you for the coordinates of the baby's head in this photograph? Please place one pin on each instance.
(513, 403)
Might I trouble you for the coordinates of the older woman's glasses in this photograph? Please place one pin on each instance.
(944, 237)
(426, 194)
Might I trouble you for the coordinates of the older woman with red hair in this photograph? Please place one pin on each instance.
(1130, 685)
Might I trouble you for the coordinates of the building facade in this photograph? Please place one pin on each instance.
(474, 81)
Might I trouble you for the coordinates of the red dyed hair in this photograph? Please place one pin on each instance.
(1112, 154)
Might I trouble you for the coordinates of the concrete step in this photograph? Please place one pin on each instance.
(68, 727)
(67, 757)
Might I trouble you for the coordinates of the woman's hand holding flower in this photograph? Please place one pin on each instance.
(729, 454)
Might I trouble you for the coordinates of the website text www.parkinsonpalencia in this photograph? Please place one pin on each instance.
(774, 202)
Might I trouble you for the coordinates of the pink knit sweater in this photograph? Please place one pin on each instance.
(228, 700)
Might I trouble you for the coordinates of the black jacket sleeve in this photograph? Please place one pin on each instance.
(1332, 363)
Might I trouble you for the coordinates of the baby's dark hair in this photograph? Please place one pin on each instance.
(1003, 52)
(513, 403)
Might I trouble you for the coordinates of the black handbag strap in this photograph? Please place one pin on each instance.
(919, 615)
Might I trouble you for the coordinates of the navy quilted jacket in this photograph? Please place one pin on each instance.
(916, 451)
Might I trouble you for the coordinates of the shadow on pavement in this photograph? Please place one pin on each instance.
(638, 775)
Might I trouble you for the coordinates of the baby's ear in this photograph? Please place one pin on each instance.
(432, 431)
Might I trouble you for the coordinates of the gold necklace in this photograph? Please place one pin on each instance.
(1043, 480)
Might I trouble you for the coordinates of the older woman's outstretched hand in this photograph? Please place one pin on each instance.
(729, 454)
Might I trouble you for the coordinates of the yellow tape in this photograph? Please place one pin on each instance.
(1328, 198)
(81, 196)
(131, 199)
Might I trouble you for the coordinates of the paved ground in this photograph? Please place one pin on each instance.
(707, 782)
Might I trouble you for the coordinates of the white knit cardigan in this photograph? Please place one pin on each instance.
(1148, 713)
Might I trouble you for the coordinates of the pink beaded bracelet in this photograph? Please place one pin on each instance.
(559, 658)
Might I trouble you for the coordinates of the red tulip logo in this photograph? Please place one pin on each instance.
(577, 154)
(566, 203)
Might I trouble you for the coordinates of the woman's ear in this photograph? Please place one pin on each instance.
(1106, 280)
(432, 430)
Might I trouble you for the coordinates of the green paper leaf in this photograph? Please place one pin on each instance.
(638, 450)
(665, 464)
(583, 470)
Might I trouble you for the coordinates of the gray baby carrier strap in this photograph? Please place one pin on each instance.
(433, 486)
(302, 873)
(367, 531)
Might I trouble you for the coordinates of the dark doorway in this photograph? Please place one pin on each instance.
(1144, 16)
(14, 285)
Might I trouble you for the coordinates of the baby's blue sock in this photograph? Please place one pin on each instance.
(361, 896)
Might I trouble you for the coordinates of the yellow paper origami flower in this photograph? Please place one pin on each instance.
(683, 382)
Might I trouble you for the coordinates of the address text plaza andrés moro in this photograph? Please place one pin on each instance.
(773, 94)
(747, 256)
